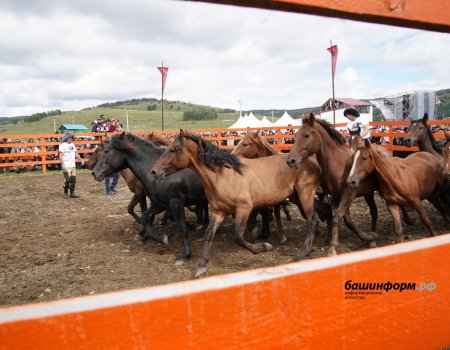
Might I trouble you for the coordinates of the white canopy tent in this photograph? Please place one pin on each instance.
(247, 121)
(286, 120)
(265, 122)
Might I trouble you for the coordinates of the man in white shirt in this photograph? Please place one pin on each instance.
(353, 115)
(67, 154)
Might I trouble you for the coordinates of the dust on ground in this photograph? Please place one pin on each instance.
(52, 248)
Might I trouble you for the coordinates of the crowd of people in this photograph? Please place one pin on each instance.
(22, 150)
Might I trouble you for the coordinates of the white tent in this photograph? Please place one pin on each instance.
(239, 123)
(252, 122)
(265, 122)
(286, 120)
(247, 121)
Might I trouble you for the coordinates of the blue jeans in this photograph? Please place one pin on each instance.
(111, 186)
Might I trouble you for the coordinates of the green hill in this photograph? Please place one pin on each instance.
(145, 114)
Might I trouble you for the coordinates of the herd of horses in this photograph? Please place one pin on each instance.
(320, 175)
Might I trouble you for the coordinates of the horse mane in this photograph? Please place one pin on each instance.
(334, 134)
(263, 141)
(434, 144)
(212, 156)
(127, 142)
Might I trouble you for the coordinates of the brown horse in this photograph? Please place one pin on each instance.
(402, 181)
(420, 134)
(319, 138)
(235, 185)
(254, 145)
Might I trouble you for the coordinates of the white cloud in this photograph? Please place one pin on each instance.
(71, 55)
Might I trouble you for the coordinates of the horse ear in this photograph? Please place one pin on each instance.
(425, 117)
(309, 119)
(122, 134)
(367, 143)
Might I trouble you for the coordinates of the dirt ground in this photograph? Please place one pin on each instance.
(51, 248)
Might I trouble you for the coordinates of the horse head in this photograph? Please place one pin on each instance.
(95, 156)
(112, 159)
(362, 164)
(305, 141)
(253, 145)
(417, 131)
(175, 157)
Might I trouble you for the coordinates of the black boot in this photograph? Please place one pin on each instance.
(66, 184)
(73, 180)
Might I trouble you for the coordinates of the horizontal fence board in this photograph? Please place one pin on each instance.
(294, 306)
(430, 15)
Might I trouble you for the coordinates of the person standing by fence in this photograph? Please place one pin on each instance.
(67, 154)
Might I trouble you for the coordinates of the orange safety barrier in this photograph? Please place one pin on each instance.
(281, 138)
(395, 297)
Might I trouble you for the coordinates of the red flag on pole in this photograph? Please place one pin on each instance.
(164, 71)
(334, 52)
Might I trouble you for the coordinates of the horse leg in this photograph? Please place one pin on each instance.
(241, 221)
(344, 209)
(214, 223)
(177, 209)
(405, 216)
(325, 212)
(148, 218)
(437, 203)
(251, 224)
(265, 218)
(306, 196)
(285, 207)
(423, 216)
(134, 201)
(394, 209)
(280, 229)
(370, 200)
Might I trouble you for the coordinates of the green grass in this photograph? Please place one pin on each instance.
(139, 119)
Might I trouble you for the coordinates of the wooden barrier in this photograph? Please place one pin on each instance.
(317, 304)
(281, 138)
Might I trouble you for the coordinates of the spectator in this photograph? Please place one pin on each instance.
(110, 187)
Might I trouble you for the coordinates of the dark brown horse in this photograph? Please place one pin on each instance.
(319, 138)
(401, 181)
(420, 134)
(235, 185)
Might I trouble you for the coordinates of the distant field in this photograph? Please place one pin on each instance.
(137, 120)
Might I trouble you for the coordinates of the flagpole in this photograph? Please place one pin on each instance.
(332, 84)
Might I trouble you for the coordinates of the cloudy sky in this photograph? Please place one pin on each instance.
(68, 55)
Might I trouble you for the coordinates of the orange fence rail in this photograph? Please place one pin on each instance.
(281, 138)
(395, 297)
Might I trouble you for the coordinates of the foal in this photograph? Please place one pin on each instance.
(236, 185)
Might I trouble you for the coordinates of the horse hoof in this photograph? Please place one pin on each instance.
(372, 244)
(283, 239)
(268, 247)
(332, 252)
(200, 271)
(165, 240)
(179, 262)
